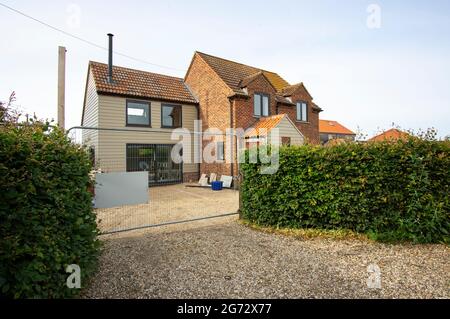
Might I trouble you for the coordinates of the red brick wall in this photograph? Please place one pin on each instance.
(214, 108)
(310, 129)
(243, 108)
(191, 177)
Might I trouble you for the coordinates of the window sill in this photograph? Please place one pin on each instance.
(171, 127)
(138, 125)
(303, 122)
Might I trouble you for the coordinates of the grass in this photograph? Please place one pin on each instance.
(308, 233)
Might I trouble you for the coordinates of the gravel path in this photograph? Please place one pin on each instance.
(223, 259)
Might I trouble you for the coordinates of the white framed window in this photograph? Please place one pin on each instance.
(302, 111)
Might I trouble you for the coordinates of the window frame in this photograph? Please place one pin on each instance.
(154, 168)
(302, 116)
(181, 115)
(149, 104)
(289, 141)
(261, 108)
(222, 158)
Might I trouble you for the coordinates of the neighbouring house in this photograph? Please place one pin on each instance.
(336, 141)
(133, 113)
(390, 135)
(333, 130)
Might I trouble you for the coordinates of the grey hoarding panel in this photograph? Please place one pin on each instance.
(119, 189)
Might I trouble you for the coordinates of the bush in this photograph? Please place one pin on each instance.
(392, 191)
(46, 216)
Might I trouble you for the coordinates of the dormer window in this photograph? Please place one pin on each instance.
(260, 105)
(302, 111)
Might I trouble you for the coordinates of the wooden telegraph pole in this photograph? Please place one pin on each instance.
(61, 86)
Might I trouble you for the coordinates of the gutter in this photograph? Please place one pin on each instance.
(239, 95)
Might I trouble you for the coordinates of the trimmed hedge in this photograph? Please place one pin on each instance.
(46, 216)
(392, 191)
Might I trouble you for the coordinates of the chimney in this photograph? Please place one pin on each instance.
(110, 59)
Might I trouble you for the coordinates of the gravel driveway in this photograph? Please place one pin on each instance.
(223, 259)
(170, 203)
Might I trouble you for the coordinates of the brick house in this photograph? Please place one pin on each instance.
(334, 131)
(230, 95)
(136, 112)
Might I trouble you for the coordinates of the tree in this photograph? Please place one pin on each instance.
(8, 113)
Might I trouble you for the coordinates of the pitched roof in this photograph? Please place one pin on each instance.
(283, 100)
(247, 80)
(392, 134)
(232, 73)
(316, 107)
(289, 90)
(277, 81)
(265, 124)
(333, 127)
(140, 84)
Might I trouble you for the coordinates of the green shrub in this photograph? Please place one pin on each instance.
(46, 216)
(392, 191)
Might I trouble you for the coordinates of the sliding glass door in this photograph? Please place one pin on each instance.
(156, 160)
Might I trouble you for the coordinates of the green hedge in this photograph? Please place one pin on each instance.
(390, 191)
(46, 216)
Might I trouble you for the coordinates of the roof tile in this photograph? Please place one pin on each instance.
(283, 100)
(264, 125)
(392, 134)
(232, 73)
(136, 83)
(289, 90)
(326, 126)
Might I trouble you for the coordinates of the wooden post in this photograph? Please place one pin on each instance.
(61, 86)
(240, 193)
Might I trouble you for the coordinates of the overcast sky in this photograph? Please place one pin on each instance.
(362, 71)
